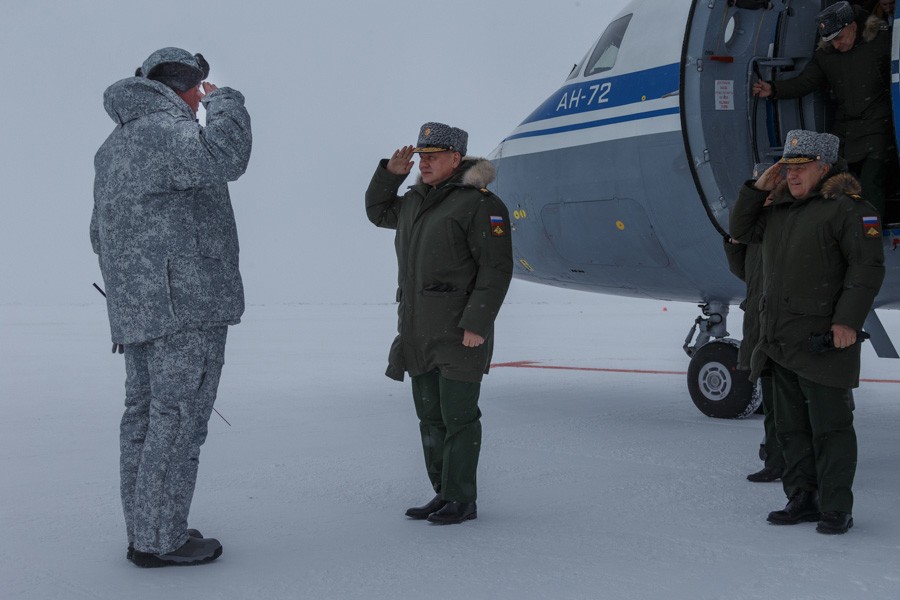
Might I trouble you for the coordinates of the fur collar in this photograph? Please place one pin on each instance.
(473, 171)
(842, 183)
(834, 185)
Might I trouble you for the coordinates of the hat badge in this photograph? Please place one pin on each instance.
(794, 142)
(427, 131)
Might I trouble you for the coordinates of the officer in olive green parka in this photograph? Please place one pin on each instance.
(823, 262)
(745, 261)
(454, 258)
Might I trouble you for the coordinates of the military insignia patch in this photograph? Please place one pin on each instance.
(872, 227)
(498, 226)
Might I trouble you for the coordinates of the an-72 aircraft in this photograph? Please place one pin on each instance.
(621, 181)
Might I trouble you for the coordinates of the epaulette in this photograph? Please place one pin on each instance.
(856, 197)
(485, 191)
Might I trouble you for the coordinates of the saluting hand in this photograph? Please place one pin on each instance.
(209, 88)
(471, 340)
(770, 179)
(401, 161)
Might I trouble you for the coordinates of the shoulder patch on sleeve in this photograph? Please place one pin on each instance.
(872, 227)
(498, 225)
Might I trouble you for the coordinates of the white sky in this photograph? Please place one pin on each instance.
(592, 485)
(331, 86)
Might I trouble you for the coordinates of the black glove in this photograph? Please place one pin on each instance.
(824, 342)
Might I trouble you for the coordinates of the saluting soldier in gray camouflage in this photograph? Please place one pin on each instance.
(164, 231)
(454, 258)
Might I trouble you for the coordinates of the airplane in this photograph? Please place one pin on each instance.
(621, 181)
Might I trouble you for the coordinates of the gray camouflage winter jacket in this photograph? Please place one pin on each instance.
(163, 225)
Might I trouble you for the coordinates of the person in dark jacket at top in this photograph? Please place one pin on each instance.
(823, 264)
(454, 259)
(164, 231)
(852, 62)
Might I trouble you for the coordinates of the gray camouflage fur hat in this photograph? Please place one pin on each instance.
(437, 137)
(177, 68)
(801, 146)
(832, 20)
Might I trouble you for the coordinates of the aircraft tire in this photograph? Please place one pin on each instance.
(716, 385)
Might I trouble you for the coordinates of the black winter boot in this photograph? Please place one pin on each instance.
(454, 512)
(803, 506)
(834, 522)
(191, 532)
(422, 512)
(766, 474)
(194, 551)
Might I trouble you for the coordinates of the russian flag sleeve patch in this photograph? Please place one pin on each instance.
(872, 227)
(498, 226)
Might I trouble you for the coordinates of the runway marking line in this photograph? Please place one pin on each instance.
(530, 364)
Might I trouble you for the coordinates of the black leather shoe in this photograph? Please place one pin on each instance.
(802, 507)
(765, 475)
(422, 512)
(834, 522)
(454, 512)
(191, 533)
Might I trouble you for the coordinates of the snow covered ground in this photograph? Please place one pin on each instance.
(592, 484)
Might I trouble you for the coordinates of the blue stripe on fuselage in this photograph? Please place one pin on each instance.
(597, 94)
(598, 123)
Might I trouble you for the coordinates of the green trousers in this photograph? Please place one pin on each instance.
(874, 174)
(774, 454)
(815, 428)
(449, 421)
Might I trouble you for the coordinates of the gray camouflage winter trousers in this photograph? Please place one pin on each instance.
(170, 389)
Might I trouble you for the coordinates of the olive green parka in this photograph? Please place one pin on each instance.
(858, 81)
(454, 266)
(745, 261)
(823, 264)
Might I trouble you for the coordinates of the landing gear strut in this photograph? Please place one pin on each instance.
(717, 387)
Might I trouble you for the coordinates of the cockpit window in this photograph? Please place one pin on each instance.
(603, 58)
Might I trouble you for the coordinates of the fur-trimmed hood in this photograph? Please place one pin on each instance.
(842, 183)
(473, 171)
(867, 25)
(838, 182)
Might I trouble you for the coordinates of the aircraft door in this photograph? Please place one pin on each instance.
(895, 78)
(730, 44)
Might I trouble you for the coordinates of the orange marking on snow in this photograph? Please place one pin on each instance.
(530, 364)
